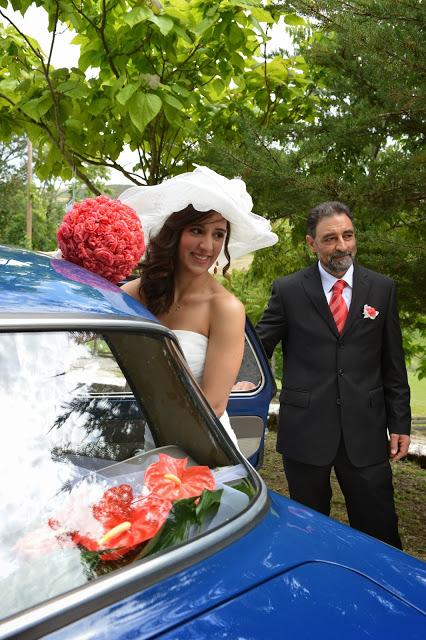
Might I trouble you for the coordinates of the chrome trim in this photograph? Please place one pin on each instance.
(87, 599)
(57, 322)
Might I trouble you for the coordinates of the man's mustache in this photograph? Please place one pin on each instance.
(341, 254)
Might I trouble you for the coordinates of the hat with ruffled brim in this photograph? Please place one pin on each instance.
(205, 190)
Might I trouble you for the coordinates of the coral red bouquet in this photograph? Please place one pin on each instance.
(102, 235)
(121, 526)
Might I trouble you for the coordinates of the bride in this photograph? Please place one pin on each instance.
(193, 223)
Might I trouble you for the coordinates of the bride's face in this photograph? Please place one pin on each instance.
(201, 243)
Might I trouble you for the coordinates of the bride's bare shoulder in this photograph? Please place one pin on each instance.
(133, 289)
(226, 304)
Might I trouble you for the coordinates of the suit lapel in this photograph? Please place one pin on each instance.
(361, 286)
(315, 292)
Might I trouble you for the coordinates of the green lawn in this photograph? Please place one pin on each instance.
(418, 395)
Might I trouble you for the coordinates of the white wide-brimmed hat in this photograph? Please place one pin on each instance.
(205, 190)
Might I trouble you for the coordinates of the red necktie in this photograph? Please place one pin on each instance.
(338, 305)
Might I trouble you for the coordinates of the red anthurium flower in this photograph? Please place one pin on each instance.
(170, 478)
(127, 522)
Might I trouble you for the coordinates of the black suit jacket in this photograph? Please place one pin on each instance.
(353, 385)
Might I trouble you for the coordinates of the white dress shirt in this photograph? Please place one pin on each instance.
(328, 281)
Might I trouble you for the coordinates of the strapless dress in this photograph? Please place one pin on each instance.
(194, 347)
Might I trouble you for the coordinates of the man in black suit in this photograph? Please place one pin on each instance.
(344, 377)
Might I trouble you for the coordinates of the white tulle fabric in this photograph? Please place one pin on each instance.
(206, 190)
(194, 347)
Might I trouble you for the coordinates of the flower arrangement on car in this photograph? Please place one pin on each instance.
(175, 503)
(102, 235)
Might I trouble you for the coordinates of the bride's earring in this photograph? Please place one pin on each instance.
(216, 266)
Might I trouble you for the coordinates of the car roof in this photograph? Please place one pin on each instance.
(37, 283)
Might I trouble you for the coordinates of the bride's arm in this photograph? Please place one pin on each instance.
(225, 351)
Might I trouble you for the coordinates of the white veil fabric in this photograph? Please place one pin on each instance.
(205, 190)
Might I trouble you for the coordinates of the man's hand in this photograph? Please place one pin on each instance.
(398, 446)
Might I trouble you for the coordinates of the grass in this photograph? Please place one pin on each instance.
(418, 395)
(409, 484)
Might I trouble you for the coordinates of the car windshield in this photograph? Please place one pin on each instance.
(105, 438)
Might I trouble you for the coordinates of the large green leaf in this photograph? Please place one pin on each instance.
(137, 15)
(127, 92)
(262, 15)
(164, 23)
(173, 101)
(8, 85)
(37, 107)
(143, 107)
(294, 20)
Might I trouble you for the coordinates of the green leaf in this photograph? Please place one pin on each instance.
(236, 35)
(200, 27)
(180, 90)
(37, 107)
(73, 88)
(136, 16)
(173, 117)
(238, 61)
(262, 15)
(182, 515)
(245, 3)
(172, 101)
(245, 487)
(216, 88)
(124, 95)
(143, 107)
(295, 21)
(163, 23)
(208, 505)
(80, 39)
(8, 84)
(89, 59)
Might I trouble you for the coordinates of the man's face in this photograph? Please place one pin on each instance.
(334, 243)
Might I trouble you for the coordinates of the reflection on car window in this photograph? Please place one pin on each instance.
(250, 374)
(87, 416)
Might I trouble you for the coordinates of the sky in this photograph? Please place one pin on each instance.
(65, 54)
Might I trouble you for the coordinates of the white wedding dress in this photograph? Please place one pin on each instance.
(194, 346)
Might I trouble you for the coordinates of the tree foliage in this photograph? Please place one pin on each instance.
(13, 201)
(49, 199)
(150, 75)
(364, 145)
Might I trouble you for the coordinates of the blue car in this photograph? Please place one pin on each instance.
(127, 512)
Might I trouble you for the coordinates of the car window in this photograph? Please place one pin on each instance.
(88, 418)
(250, 376)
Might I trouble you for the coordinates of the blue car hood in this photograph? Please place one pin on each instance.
(295, 558)
(313, 600)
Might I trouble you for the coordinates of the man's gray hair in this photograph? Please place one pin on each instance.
(325, 210)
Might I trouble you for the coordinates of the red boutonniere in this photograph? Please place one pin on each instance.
(370, 312)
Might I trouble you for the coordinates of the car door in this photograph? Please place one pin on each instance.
(248, 404)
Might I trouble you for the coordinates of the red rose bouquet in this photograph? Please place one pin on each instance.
(102, 235)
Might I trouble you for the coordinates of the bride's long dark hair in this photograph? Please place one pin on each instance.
(159, 263)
